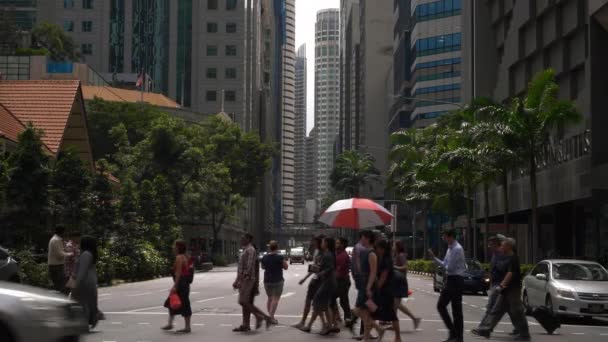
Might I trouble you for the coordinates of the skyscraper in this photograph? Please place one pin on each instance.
(288, 115)
(327, 94)
(300, 109)
(349, 74)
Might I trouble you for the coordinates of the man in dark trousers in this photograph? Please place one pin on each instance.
(510, 290)
(455, 267)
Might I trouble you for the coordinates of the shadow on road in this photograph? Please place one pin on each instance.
(584, 321)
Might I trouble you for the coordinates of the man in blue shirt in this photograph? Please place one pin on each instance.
(455, 267)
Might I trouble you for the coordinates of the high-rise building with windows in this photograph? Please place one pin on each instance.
(20, 13)
(327, 94)
(202, 53)
(300, 113)
(349, 74)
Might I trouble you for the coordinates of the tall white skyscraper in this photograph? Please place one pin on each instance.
(327, 94)
(288, 132)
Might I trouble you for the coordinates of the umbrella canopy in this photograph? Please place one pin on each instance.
(356, 213)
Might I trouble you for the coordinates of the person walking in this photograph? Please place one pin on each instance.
(56, 259)
(400, 284)
(71, 262)
(313, 285)
(455, 267)
(384, 296)
(181, 273)
(85, 289)
(509, 289)
(365, 268)
(342, 282)
(246, 283)
(273, 264)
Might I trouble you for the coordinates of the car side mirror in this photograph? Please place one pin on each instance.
(541, 276)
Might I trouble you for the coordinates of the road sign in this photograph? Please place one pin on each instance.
(394, 220)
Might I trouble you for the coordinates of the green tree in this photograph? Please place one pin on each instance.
(70, 182)
(60, 45)
(352, 172)
(148, 206)
(28, 173)
(103, 210)
(533, 119)
(167, 219)
(3, 181)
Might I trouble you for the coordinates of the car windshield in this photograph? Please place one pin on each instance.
(474, 265)
(582, 271)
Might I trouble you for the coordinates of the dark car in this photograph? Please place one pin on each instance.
(476, 279)
(9, 269)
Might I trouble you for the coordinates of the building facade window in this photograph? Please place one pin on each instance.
(230, 96)
(230, 50)
(87, 4)
(230, 73)
(86, 49)
(68, 26)
(211, 50)
(231, 28)
(68, 3)
(87, 26)
(231, 4)
(437, 9)
(211, 27)
(212, 4)
(211, 96)
(437, 45)
(211, 73)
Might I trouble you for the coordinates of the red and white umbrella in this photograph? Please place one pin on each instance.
(356, 213)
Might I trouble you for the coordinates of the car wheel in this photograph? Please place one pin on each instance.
(526, 302)
(549, 304)
(5, 334)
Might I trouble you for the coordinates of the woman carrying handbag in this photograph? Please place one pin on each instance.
(180, 292)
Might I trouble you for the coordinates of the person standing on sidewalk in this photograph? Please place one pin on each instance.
(455, 267)
(342, 281)
(273, 264)
(509, 289)
(56, 259)
(246, 283)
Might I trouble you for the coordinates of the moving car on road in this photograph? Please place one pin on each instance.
(296, 257)
(9, 268)
(29, 314)
(476, 279)
(568, 287)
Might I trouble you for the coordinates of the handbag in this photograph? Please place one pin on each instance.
(175, 303)
(71, 284)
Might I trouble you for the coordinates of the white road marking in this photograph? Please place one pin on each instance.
(288, 294)
(194, 292)
(146, 309)
(199, 324)
(140, 294)
(474, 306)
(116, 323)
(603, 334)
(225, 325)
(209, 299)
(143, 323)
(577, 333)
(499, 331)
(104, 294)
(108, 341)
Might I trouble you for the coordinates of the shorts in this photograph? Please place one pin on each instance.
(274, 289)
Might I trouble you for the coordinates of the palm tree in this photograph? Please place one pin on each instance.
(532, 121)
(352, 172)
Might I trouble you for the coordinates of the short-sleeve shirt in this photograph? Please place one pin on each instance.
(273, 268)
(497, 268)
(342, 264)
(401, 260)
(512, 265)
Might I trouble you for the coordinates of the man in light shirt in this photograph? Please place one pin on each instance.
(455, 267)
(56, 259)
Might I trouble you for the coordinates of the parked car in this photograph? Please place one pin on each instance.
(9, 268)
(30, 314)
(568, 287)
(476, 279)
(296, 257)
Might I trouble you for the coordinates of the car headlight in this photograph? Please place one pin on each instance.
(486, 280)
(564, 293)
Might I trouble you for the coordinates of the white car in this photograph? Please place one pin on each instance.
(568, 287)
(29, 314)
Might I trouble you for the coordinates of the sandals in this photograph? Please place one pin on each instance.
(167, 327)
(242, 328)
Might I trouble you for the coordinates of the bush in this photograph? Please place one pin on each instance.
(31, 272)
(526, 268)
(139, 261)
(220, 261)
(31, 52)
(106, 266)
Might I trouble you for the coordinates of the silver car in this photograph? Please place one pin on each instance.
(9, 269)
(30, 314)
(568, 287)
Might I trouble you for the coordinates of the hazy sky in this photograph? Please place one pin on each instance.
(306, 15)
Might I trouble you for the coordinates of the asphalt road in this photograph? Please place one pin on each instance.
(135, 314)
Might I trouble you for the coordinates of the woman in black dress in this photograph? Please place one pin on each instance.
(384, 298)
(400, 285)
(181, 276)
(327, 278)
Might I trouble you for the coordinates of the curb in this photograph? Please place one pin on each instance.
(424, 274)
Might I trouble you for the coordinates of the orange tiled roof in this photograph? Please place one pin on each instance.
(45, 103)
(10, 126)
(126, 95)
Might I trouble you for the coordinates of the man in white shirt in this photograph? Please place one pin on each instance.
(56, 259)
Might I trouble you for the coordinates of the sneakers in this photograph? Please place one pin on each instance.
(417, 323)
